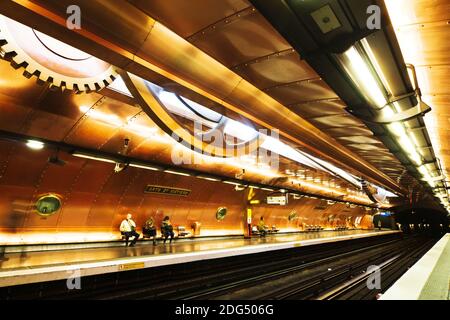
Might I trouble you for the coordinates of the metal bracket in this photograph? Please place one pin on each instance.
(365, 187)
(439, 178)
(419, 110)
(429, 162)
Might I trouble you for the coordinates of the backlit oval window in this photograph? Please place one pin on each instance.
(48, 205)
(221, 213)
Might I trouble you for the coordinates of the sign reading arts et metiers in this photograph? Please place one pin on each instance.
(167, 190)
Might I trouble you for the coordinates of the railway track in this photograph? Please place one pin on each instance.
(329, 271)
(225, 275)
(390, 270)
(307, 281)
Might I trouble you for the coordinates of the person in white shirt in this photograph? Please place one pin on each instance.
(128, 229)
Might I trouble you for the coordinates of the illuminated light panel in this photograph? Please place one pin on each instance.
(240, 130)
(404, 17)
(144, 166)
(376, 66)
(177, 173)
(232, 183)
(92, 157)
(364, 78)
(174, 105)
(35, 145)
(232, 128)
(208, 178)
(287, 151)
(336, 171)
(368, 85)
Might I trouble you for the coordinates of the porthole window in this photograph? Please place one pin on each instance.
(221, 213)
(48, 205)
(293, 215)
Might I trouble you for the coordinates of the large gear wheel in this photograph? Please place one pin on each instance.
(52, 61)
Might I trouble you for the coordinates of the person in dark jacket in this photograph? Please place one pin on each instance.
(149, 229)
(167, 229)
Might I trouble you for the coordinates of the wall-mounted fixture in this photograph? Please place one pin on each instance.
(221, 213)
(35, 145)
(48, 205)
(293, 215)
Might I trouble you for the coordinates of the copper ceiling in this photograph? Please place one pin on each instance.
(237, 35)
(240, 38)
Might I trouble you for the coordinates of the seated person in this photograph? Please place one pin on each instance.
(262, 227)
(167, 229)
(149, 229)
(128, 229)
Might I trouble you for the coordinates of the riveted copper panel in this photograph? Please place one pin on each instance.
(319, 109)
(339, 132)
(368, 147)
(343, 120)
(248, 38)
(188, 17)
(358, 139)
(269, 71)
(295, 93)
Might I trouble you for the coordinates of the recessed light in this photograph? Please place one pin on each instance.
(35, 145)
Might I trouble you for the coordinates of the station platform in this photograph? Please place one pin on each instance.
(33, 267)
(428, 279)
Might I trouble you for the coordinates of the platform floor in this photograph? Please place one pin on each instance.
(428, 279)
(26, 267)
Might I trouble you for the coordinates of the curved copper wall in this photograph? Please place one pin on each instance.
(95, 200)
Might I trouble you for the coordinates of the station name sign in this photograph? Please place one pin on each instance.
(167, 190)
(278, 200)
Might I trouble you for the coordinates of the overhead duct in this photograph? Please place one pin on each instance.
(364, 65)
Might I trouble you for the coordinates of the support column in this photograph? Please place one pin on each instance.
(248, 213)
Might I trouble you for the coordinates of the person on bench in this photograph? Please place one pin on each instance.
(167, 229)
(128, 229)
(262, 227)
(149, 229)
